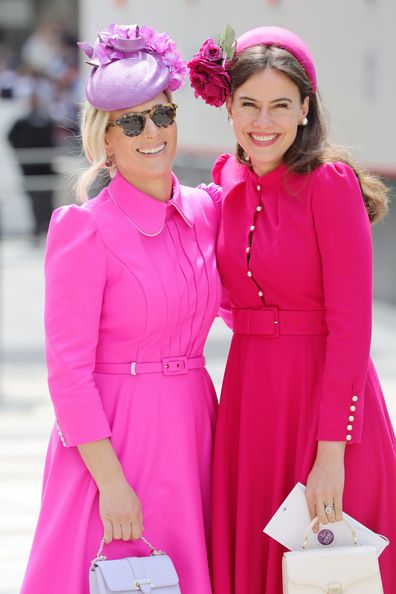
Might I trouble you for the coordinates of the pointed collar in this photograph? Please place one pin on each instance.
(145, 212)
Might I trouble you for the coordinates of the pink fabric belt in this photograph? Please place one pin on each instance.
(273, 322)
(168, 366)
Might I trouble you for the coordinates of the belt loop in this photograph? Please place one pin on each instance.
(276, 322)
(133, 368)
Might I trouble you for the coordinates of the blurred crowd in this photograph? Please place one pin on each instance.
(45, 66)
(42, 77)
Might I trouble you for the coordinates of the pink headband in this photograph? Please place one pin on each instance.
(284, 39)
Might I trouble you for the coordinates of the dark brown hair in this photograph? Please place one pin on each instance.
(312, 146)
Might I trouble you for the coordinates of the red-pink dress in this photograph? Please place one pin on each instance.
(294, 253)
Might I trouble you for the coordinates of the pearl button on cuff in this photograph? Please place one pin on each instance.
(349, 427)
(252, 227)
(351, 418)
(260, 293)
(259, 208)
(352, 408)
(348, 437)
(249, 273)
(355, 398)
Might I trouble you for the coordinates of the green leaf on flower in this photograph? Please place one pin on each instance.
(227, 42)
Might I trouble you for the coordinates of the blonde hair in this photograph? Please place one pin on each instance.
(93, 128)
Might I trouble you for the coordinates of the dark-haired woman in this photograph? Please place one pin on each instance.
(301, 400)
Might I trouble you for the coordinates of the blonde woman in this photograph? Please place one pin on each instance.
(131, 292)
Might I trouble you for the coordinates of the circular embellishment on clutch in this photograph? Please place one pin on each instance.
(325, 537)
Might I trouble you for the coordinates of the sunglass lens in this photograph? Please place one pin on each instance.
(163, 116)
(133, 124)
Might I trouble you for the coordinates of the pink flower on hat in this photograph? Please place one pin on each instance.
(209, 80)
(209, 75)
(211, 51)
(163, 45)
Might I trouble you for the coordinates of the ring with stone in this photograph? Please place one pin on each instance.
(329, 508)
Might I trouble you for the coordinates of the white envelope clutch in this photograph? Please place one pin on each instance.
(289, 524)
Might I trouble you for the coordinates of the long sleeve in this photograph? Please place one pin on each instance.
(75, 276)
(344, 239)
(215, 192)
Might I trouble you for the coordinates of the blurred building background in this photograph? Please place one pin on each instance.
(354, 46)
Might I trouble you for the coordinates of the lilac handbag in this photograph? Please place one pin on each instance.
(154, 574)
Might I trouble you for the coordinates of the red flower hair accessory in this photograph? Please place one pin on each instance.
(209, 68)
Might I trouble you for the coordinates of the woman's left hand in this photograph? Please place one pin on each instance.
(325, 484)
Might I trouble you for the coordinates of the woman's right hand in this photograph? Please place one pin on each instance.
(120, 511)
(119, 506)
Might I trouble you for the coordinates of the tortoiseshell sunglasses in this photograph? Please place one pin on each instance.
(132, 124)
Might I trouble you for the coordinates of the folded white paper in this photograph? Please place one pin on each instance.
(290, 522)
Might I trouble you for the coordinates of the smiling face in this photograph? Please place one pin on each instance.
(146, 158)
(266, 111)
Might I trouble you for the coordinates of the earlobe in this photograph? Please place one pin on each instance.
(305, 107)
(229, 111)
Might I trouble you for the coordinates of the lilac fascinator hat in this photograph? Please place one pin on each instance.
(131, 65)
(284, 39)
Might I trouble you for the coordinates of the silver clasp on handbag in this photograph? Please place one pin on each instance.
(144, 582)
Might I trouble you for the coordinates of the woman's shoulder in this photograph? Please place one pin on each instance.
(73, 224)
(78, 216)
(334, 172)
(219, 164)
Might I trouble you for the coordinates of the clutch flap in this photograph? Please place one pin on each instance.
(348, 566)
(124, 575)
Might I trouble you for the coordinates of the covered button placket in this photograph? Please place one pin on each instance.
(257, 213)
(351, 418)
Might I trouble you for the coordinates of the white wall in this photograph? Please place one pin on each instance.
(353, 43)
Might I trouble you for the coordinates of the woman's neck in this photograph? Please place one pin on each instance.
(159, 188)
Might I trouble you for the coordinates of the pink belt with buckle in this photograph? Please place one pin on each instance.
(168, 366)
(274, 322)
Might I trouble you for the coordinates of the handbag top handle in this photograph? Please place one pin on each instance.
(316, 519)
(101, 557)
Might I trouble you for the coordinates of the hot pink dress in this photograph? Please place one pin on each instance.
(294, 253)
(131, 292)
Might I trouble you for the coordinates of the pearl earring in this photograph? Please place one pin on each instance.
(304, 122)
(230, 120)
